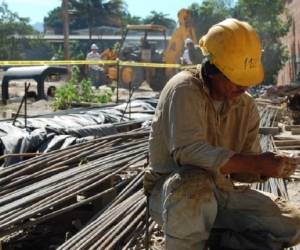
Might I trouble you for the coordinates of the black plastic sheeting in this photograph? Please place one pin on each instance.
(45, 134)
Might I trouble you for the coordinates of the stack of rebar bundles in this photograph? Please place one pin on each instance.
(56, 194)
(86, 196)
(276, 186)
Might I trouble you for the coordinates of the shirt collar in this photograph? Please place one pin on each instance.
(229, 104)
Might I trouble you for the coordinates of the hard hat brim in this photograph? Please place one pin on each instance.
(247, 79)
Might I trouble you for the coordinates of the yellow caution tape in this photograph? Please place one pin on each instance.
(149, 65)
(189, 66)
(50, 62)
(99, 62)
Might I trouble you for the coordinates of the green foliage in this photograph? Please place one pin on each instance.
(88, 14)
(37, 49)
(78, 91)
(268, 18)
(68, 93)
(54, 20)
(86, 91)
(77, 51)
(104, 97)
(209, 13)
(161, 19)
(129, 19)
(58, 53)
(13, 30)
(95, 13)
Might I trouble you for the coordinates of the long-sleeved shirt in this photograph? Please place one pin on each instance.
(93, 56)
(188, 129)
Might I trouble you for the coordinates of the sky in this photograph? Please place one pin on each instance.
(36, 10)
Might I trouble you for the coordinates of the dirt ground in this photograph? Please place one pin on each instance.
(16, 92)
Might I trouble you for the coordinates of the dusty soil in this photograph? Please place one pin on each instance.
(16, 92)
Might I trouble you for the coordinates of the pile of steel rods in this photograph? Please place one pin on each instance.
(274, 186)
(119, 226)
(47, 186)
(124, 219)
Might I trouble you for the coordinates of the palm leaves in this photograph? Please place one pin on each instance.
(98, 12)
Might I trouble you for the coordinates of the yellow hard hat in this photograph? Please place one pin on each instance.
(234, 48)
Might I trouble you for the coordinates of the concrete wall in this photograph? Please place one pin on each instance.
(288, 74)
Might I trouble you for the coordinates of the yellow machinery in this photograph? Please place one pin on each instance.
(141, 43)
(148, 43)
(176, 44)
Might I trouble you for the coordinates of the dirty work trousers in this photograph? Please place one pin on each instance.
(193, 212)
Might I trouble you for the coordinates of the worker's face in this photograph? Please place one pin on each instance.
(223, 88)
(190, 45)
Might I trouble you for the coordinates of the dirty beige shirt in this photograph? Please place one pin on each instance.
(187, 129)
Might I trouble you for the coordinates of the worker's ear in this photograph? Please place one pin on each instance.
(214, 77)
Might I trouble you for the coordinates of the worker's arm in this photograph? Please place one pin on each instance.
(185, 123)
(266, 164)
(252, 142)
(251, 145)
(254, 165)
(104, 54)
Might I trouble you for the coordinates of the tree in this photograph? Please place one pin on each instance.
(54, 20)
(13, 31)
(98, 12)
(88, 14)
(269, 17)
(36, 49)
(77, 51)
(272, 22)
(161, 19)
(129, 19)
(209, 13)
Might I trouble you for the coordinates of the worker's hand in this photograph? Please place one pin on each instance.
(277, 165)
(266, 164)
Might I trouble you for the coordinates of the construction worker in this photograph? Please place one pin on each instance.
(191, 55)
(204, 138)
(97, 74)
(108, 54)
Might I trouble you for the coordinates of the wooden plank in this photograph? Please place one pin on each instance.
(295, 131)
(286, 142)
(290, 127)
(269, 130)
(288, 147)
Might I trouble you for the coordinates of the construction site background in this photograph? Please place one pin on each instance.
(290, 73)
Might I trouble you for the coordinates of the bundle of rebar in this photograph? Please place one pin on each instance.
(44, 187)
(119, 225)
(47, 186)
(275, 186)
